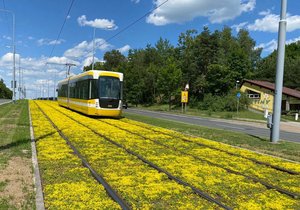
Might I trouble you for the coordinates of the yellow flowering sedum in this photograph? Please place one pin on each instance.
(66, 184)
(141, 186)
(145, 188)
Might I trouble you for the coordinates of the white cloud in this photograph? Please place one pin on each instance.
(272, 45)
(6, 37)
(97, 23)
(124, 49)
(61, 60)
(49, 42)
(269, 46)
(264, 13)
(178, 11)
(85, 48)
(270, 23)
(8, 58)
(89, 60)
(35, 71)
(135, 1)
(239, 26)
(31, 38)
(290, 41)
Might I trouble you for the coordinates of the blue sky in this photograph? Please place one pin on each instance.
(38, 23)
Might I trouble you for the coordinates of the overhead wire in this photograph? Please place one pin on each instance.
(6, 18)
(136, 21)
(115, 35)
(61, 28)
(131, 24)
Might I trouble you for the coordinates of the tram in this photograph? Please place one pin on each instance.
(94, 92)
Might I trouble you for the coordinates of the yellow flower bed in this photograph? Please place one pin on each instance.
(284, 180)
(143, 187)
(243, 152)
(66, 184)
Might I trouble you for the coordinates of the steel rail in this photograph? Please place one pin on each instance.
(230, 153)
(266, 184)
(115, 196)
(170, 176)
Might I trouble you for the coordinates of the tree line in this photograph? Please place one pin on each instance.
(210, 62)
(5, 92)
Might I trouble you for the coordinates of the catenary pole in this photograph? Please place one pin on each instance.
(14, 54)
(279, 74)
(19, 89)
(93, 61)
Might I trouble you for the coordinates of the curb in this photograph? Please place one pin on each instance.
(39, 198)
(7, 102)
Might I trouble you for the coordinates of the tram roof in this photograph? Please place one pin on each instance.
(93, 74)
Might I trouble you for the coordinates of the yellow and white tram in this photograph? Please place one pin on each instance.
(93, 92)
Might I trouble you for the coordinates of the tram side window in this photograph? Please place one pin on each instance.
(63, 91)
(76, 90)
(85, 89)
(94, 88)
(72, 90)
(82, 89)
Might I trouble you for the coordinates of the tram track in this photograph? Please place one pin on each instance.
(196, 190)
(222, 150)
(269, 186)
(114, 195)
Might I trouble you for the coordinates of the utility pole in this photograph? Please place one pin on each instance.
(279, 74)
(14, 54)
(93, 61)
(69, 68)
(20, 87)
(22, 82)
(48, 89)
(65, 64)
(54, 88)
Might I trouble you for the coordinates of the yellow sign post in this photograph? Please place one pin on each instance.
(184, 99)
(184, 96)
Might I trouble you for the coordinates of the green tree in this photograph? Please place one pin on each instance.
(113, 60)
(186, 58)
(267, 67)
(135, 77)
(169, 82)
(97, 66)
(218, 78)
(4, 91)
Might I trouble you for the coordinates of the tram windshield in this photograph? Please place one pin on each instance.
(109, 88)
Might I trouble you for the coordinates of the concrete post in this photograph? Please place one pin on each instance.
(279, 73)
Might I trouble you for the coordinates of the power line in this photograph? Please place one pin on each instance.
(131, 24)
(58, 36)
(136, 21)
(5, 15)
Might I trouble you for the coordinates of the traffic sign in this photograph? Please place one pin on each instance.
(238, 95)
(184, 96)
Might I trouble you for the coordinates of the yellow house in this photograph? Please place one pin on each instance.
(262, 95)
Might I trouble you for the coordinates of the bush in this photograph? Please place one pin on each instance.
(223, 103)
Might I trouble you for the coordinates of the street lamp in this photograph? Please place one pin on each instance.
(93, 49)
(236, 84)
(14, 54)
(238, 95)
(275, 132)
(109, 27)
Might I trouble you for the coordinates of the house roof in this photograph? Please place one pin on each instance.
(271, 86)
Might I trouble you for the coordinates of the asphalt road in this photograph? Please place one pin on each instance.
(259, 130)
(5, 101)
